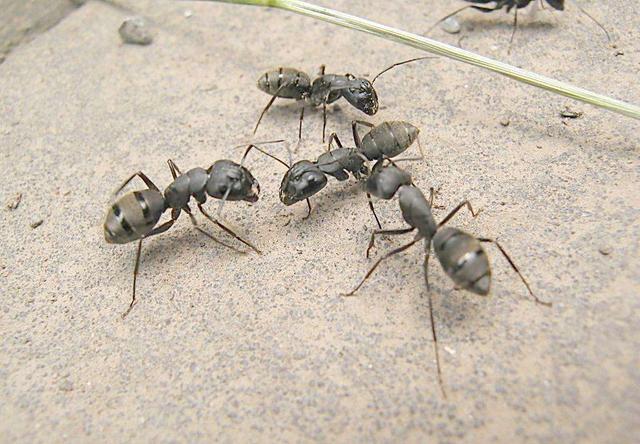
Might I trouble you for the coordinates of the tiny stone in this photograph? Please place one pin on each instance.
(451, 25)
(134, 30)
(188, 13)
(570, 114)
(449, 350)
(36, 223)
(505, 122)
(605, 251)
(14, 203)
(66, 386)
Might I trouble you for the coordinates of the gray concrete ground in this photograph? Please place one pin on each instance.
(249, 348)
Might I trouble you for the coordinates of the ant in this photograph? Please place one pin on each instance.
(305, 178)
(135, 215)
(516, 5)
(460, 254)
(291, 83)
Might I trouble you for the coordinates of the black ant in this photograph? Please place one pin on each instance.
(135, 215)
(291, 83)
(516, 5)
(460, 254)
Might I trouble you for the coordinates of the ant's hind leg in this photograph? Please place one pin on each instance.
(148, 182)
(515, 268)
(135, 278)
(458, 208)
(333, 137)
(386, 233)
(161, 229)
(228, 230)
(433, 322)
(356, 135)
(373, 210)
(386, 256)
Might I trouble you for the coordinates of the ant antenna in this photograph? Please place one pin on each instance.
(398, 64)
(262, 142)
(446, 17)
(252, 146)
(593, 20)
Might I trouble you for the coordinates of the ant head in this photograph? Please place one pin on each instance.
(235, 181)
(556, 4)
(363, 96)
(303, 180)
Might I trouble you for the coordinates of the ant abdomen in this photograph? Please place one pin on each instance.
(388, 139)
(463, 259)
(288, 83)
(133, 216)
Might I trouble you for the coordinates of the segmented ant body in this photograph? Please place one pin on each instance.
(460, 254)
(305, 178)
(291, 83)
(135, 215)
(515, 5)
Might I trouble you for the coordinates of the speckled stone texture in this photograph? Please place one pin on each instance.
(262, 348)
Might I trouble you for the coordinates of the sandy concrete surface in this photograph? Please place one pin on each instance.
(21, 20)
(262, 348)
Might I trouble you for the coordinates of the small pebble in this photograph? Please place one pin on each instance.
(188, 13)
(14, 203)
(134, 30)
(505, 122)
(605, 251)
(570, 114)
(451, 25)
(66, 386)
(36, 223)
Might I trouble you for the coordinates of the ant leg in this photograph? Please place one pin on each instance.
(458, 208)
(386, 256)
(321, 70)
(228, 230)
(333, 137)
(135, 277)
(515, 28)
(324, 120)
(387, 233)
(300, 127)
(175, 171)
(148, 182)
(593, 19)
(515, 268)
(356, 135)
(194, 222)
(373, 210)
(433, 322)
(161, 229)
(275, 96)
(308, 209)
